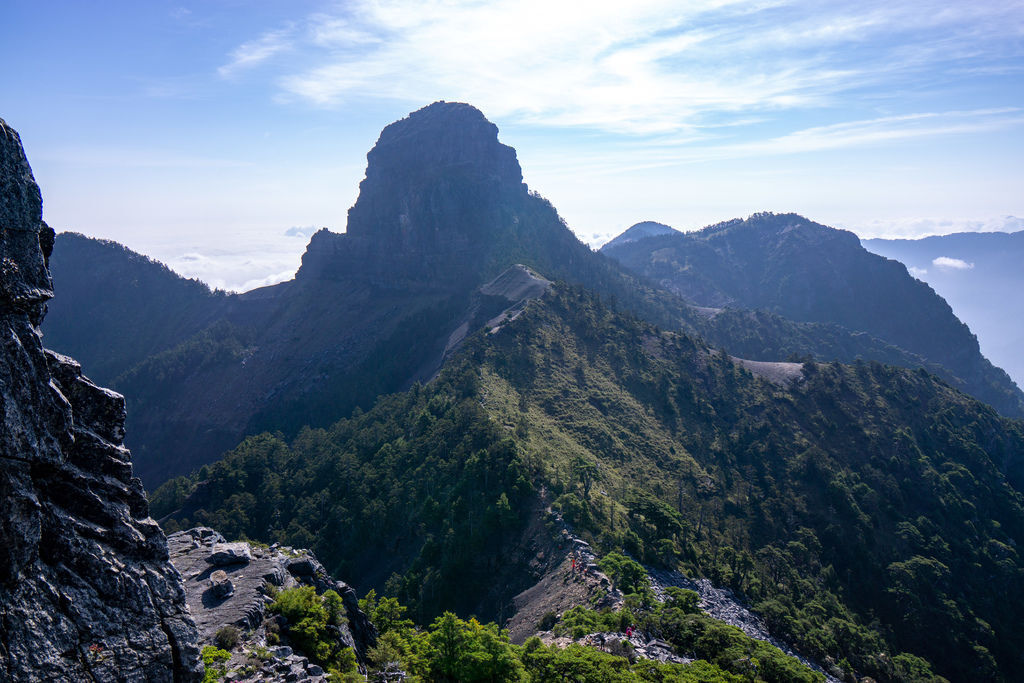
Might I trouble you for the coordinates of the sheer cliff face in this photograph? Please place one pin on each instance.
(86, 588)
(439, 192)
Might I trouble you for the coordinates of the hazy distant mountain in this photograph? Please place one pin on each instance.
(639, 231)
(804, 271)
(981, 276)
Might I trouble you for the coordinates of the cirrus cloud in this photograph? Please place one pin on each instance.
(644, 67)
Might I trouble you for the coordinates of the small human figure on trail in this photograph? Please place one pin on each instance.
(629, 631)
(574, 563)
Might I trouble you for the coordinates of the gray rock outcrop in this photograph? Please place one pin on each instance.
(87, 592)
(199, 555)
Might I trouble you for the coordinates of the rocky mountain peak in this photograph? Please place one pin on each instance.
(437, 188)
(440, 138)
(432, 179)
(86, 588)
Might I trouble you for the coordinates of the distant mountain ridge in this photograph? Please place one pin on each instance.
(442, 210)
(980, 275)
(639, 231)
(804, 271)
(161, 308)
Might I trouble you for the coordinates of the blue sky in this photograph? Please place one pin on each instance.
(212, 135)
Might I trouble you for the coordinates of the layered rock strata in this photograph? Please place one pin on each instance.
(87, 592)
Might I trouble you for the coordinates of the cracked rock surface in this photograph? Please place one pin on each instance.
(87, 592)
(206, 561)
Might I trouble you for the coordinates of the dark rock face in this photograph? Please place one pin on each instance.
(438, 185)
(86, 588)
(24, 281)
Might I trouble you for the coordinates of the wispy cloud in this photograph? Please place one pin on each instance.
(625, 67)
(883, 129)
(646, 67)
(265, 261)
(304, 231)
(667, 151)
(948, 263)
(255, 52)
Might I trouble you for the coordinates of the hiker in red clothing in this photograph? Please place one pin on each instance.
(574, 563)
(629, 631)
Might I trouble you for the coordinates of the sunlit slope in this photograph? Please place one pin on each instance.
(863, 509)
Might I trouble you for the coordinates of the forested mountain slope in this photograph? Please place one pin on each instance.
(804, 271)
(117, 307)
(443, 209)
(865, 510)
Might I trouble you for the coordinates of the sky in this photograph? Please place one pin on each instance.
(216, 136)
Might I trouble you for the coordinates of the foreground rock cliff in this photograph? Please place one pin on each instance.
(87, 591)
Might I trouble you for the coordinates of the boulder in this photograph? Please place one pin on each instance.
(220, 585)
(226, 554)
(304, 566)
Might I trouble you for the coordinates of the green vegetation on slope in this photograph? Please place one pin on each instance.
(787, 265)
(425, 477)
(312, 622)
(114, 308)
(864, 510)
(452, 649)
(679, 622)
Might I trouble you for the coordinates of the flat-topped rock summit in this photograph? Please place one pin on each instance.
(438, 191)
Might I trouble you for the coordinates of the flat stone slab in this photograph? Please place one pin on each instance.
(224, 554)
(211, 609)
(226, 584)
